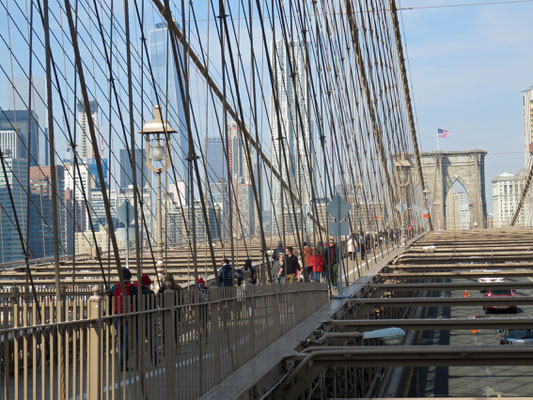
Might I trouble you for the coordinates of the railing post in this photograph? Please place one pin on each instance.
(15, 295)
(170, 343)
(252, 316)
(94, 344)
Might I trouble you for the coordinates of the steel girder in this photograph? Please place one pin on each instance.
(433, 323)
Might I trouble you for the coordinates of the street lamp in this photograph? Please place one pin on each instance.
(157, 151)
(403, 179)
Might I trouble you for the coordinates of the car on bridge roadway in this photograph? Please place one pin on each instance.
(500, 293)
(516, 336)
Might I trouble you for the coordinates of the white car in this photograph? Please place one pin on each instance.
(492, 279)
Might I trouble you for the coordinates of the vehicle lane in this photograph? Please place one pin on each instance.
(471, 381)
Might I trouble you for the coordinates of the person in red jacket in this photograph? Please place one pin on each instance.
(317, 262)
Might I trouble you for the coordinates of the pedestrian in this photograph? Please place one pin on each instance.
(248, 273)
(317, 263)
(279, 269)
(203, 308)
(145, 289)
(368, 244)
(300, 272)
(292, 265)
(225, 274)
(116, 303)
(115, 293)
(202, 287)
(362, 245)
(278, 250)
(350, 246)
(332, 262)
(168, 284)
(308, 253)
(146, 284)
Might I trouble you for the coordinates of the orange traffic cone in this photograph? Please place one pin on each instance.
(466, 293)
(474, 330)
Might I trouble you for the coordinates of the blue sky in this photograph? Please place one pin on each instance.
(468, 67)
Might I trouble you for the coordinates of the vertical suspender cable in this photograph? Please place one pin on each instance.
(133, 162)
(51, 143)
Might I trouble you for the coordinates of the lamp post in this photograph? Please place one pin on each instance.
(156, 152)
(401, 167)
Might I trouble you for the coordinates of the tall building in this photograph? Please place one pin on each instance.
(219, 201)
(24, 124)
(458, 211)
(93, 170)
(84, 145)
(75, 220)
(18, 99)
(177, 232)
(41, 239)
(142, 171)
(168, 89)
(290, 130)
(506, 191)
(237, 156)
(17, 178)
(216, 160)
(245, 210)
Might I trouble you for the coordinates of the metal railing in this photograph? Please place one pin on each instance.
(173, 345)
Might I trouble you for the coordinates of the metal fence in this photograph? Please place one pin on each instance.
(173, 345)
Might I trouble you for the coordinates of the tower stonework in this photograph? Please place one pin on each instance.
(441, 169)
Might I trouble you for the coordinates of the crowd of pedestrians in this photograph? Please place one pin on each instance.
(317, 264)
(321, 262)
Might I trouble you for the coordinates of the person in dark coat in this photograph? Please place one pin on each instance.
(332, 262)
(116, 304)
(225, 274)
(248, 273)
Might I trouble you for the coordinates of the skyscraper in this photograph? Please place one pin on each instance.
(17, 178)
(17, 121)
(18, 99)
(216, 161)
(240, 173)
(126, 176)
(291, 138)
(85, 147)
(93, 170)
(169, 94)
(41, 240)
(237, 156)
(506, 191)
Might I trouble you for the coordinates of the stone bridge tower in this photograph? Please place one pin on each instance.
(441, 169)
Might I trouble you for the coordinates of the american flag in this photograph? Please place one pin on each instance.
(443, 133)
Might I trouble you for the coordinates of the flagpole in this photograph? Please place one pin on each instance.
(438, 149)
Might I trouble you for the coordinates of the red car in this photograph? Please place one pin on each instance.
(500, 293)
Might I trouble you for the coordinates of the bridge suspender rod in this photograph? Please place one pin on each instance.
(53, 175)
(405, 84)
